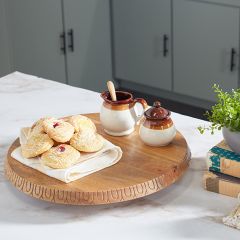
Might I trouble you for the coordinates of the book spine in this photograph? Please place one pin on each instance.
(217, 163)
(214, 183)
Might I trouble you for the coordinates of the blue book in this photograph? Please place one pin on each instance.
(222, 159)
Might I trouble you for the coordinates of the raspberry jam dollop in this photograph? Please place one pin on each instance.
(56, 124)
(61, 148)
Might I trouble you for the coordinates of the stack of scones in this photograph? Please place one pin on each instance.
(60, 142)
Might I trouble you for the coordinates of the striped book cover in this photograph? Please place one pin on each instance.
(221, 159)
(221, 183)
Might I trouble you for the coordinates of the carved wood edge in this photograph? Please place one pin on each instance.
(50, 194)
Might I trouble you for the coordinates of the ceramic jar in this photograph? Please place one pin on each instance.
(157, 128)
(119, 118)
(232, 139)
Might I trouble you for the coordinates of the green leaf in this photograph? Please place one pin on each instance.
(225, 113)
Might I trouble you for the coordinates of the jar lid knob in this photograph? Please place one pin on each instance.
(157, 104)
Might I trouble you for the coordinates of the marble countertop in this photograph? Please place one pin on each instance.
(182, 211)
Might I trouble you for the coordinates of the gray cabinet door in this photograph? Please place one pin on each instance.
(89, 63)
(4, 49)
(204, 35)
(139, 29)
(35, 27)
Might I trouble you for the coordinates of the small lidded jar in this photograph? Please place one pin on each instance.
(157, 128)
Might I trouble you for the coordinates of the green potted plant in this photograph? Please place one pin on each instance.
(225, 115)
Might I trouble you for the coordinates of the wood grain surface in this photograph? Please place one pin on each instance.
(143, 170)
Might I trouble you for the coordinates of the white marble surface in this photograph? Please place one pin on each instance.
(183, 211)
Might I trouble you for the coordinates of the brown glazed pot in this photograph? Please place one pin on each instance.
(118, 118)
(157, 128)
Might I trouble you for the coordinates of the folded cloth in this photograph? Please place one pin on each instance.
(222, 159)
(233, 219)
(88, 163)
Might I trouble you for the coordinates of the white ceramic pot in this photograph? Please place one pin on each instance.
(157, 138)
(157, 129)
(119, 118)
(232, 139)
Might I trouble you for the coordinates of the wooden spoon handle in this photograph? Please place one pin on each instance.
(112, 91)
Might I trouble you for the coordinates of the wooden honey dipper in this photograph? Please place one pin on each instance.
(111, 90)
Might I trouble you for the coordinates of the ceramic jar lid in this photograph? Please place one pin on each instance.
(157, 112)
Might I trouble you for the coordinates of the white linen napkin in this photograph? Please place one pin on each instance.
(88, 163)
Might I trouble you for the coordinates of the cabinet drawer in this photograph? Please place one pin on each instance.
(141, 33)
(204, 37)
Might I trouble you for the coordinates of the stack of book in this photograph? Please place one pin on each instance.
(223, 175)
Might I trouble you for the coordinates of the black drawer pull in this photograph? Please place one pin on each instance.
(232, 61)
(165, 49)
(71, 40)
(63, 42)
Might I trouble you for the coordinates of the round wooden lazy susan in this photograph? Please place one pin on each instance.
(143, 170)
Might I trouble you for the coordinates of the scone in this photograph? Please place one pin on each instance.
(37, 127)
(81, 123)
(58, 130)
(62, 156)
(87, 141)
(36, 145)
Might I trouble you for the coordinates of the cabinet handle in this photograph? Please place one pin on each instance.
(232, 61)
(63, 42)
(165, 49)
(71, 38)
